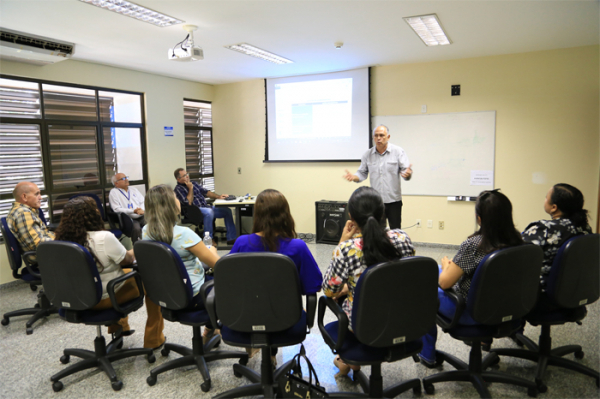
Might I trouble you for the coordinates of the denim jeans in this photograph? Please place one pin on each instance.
(447, 308)
(210, 214)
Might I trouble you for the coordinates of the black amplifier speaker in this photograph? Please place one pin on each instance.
(331, 219)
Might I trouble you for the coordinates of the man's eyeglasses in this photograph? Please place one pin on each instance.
(182, 176)
(124, 178)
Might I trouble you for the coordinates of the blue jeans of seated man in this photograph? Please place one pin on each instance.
(447, 308)
(219, 212)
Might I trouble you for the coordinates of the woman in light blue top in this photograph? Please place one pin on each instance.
(162, 213)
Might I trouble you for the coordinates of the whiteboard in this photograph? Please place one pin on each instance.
(452, 154)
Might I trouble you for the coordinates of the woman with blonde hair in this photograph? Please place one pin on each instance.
(162, 214)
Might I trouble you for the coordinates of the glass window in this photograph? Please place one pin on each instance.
(122, 107)
(123, 152)
(20, 156)
(19, 99)
(69, 103)
(73, 155)
(60, 200)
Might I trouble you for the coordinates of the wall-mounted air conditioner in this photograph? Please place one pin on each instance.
(32, 49)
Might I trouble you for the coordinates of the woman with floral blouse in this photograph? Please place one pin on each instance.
(564, 203)
(365, 242)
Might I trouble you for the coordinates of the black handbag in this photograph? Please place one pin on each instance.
(291, 385)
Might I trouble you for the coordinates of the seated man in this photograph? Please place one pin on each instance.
(192, 193)
(128, 200)
(24, 220)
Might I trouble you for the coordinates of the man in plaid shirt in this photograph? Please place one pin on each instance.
(23, 219)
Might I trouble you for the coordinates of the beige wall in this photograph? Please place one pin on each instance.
(547, 114)
(164, 107)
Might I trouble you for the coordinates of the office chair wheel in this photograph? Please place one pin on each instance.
(579, 354)
(5, 321)
(151, 358)
(532, 392)
(205, 386)
(29, 330)
(33, 287)
(57, 386)
(417, 390)
(541, 387)
(243, 360)
(37, 306)
(117, 385)
(429, 389)
(64, 359)
(165, 352)
(151, 380)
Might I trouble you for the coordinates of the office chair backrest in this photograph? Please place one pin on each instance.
(95, 198)
(257, 292)
(42, 216)
(396, 301)
(574, 278)
(505, 286)
(13, 250)
(165, 277)
(70, 275)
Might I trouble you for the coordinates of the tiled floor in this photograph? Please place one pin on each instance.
(28, 361)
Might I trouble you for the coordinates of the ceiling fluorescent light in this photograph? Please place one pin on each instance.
(259, 53)
(135, 11)
(429, 29)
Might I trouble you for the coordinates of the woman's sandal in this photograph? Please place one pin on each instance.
(208, 333)
(344, 368)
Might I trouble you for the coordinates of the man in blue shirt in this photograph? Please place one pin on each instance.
(192, 193)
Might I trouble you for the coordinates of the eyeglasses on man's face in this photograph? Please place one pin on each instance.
(184, 176)
(123, 178)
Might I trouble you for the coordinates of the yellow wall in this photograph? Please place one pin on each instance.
(547, 123)
(164, 107)
(547, 114)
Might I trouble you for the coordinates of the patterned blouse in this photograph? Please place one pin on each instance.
(468, 258)
(550, 235)
(347, 265)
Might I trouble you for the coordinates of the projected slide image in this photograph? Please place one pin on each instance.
(314, 109)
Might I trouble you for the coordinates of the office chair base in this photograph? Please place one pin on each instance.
(545, 356)
(475, 374)
(199, 355)
(40, 310)
(372, 386)
(101, 357)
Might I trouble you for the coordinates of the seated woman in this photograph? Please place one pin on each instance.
(365, 242)
(81, 223)
(564, 203)
(493, 211)
(274, 231)
(162, 214)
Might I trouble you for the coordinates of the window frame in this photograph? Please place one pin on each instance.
(104, 183)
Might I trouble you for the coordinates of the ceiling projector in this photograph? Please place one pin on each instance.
(186, 50)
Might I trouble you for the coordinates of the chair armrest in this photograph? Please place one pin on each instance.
(342, 320)
(110, 288)
(208, 295)
(311, 309)
(460, 308)
(31, 264)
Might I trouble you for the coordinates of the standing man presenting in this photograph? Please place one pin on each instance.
(192, 193)
(386, 162)
(128, 200)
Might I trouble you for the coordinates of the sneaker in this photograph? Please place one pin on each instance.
(430, 364)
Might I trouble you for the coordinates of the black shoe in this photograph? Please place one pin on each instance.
(485, 346)
(127, 333)
(431, 365)
(231, 242)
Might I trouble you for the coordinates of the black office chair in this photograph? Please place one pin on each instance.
(503, 290)
(572, 284)
(191, 214)
(120, 220)
(168, 284)
(72, 282)
(30, 274)
(113, 228)
(258, 300)
(395, 304)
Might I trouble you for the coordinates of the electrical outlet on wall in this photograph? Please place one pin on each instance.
(239, 171)
(418, 223)
(430, 224)
(441, 224)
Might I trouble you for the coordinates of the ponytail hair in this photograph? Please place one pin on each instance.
(570, 202)
(368, 211)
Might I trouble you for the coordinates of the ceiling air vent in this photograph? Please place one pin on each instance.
(32, 49)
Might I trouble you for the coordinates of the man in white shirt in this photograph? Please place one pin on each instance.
(128, 200)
